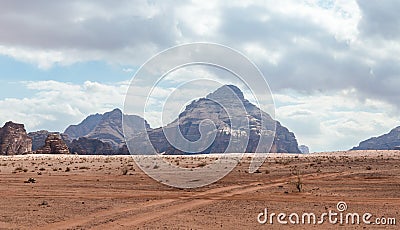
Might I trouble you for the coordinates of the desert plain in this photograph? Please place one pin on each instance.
(112, 192)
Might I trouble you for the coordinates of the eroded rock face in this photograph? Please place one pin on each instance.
(54, 144)
(389, 141)
(85, 127)
(39, 138)
(123, 150)
(106, 127)
(87, 146)
(285, 141)
(304, 149)
(207, 108)
(14, 140)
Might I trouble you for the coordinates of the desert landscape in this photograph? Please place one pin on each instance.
(132, 114)
(111, 192)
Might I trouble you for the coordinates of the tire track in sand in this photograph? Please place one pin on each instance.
(122, 217)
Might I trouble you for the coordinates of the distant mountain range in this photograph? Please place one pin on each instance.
(103, 133)
(389, 141)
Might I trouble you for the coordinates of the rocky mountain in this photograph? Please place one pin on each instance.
(81, 146)
(39, 138)
(105, 127)
(87, 146)
(285, 141)
(14, 140)
(387, 141)
(85, 127)
(215, 107)
(54, 144)
(304, 149)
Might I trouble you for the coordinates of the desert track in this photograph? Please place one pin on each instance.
(124, 217)
(94, 194)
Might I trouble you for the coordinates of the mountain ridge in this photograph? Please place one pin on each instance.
(106, 127)
(388, 141)
(103, 133)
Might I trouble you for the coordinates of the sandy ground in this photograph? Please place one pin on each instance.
(111, 192)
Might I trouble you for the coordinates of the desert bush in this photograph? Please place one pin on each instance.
(298, 183)
(44, 203)
(124, 170)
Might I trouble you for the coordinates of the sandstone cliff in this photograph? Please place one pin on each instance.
(87, 146)
(14, 140)
(39, 138)
(54, 144)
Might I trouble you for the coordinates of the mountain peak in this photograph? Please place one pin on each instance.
(116, 110)
(232, 116)
(225, 92)
(106, 127)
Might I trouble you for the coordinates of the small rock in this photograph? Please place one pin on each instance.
(30, 180)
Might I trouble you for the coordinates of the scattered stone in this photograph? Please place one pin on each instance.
(30, 180)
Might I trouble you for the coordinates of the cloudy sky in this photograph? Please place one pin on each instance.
(332, 66)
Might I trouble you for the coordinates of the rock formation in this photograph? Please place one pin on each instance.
(389, 141)
(39, 138)
(304, 149)
(285, 141)
(87, 146)
(123, 150)
(54, 144)
(106, 127)
(83, 128)
(207, 108)
(14, 140)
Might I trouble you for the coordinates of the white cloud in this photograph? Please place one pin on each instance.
(337, 121)
(55, 105)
